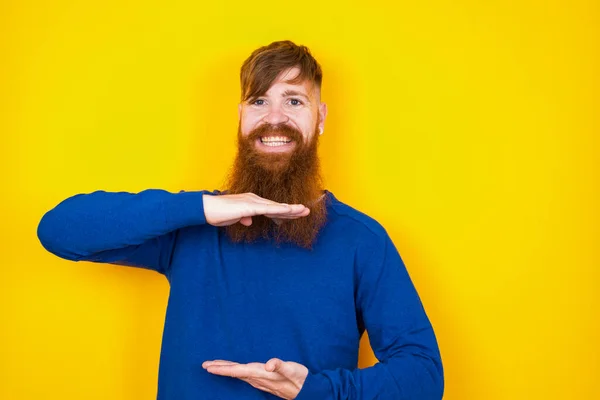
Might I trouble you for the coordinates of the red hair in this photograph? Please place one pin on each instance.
(264, 65)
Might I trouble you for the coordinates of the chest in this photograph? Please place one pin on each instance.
(303, 300)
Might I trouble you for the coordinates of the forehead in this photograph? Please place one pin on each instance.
(280, 83)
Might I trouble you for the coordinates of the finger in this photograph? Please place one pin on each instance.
(289, 369)
(254, 198)
(241, 371)
(283, 216)
(299, 210)
(257, 199)
(262, 209)
(279, 209)
(228, 362)
(288, 216)
(272, 202)
(217, 362)
(300, 214)
(246, 221)
(261, 200)
(274, 365)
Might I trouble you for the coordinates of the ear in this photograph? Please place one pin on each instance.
(322, 116)
(240, 111)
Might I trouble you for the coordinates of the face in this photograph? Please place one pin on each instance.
(296, 106)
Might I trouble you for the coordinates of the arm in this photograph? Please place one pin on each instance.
(140, 229)
(400, 334)
(134, 229)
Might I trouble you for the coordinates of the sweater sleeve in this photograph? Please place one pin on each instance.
(132, 229)
(400, 334)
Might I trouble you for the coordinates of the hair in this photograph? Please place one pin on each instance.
(284, 178)
(264, 65)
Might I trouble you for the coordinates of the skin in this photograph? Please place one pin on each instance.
(280, 378)
(281, 106)
(299, 106)
(229, 209)
(301, 111)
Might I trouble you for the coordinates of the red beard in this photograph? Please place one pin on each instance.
(293, 177)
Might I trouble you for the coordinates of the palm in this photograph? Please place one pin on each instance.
(224, 210)
(283, 379)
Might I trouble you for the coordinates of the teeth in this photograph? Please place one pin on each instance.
(273, 141)
(273, 144)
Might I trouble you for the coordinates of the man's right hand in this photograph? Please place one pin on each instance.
(228, 209)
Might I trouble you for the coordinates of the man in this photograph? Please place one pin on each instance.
(273, 281)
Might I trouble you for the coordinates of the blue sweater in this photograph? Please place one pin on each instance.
(253, 302)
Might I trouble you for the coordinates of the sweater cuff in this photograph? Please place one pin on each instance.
(185, 208)
(316, 387)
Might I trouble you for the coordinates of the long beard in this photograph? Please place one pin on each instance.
(293, 178)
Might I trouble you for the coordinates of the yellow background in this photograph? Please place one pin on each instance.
(469, 129)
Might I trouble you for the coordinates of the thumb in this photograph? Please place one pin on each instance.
(274, 365)
(246, 221)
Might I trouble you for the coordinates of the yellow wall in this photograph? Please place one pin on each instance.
(468, 128)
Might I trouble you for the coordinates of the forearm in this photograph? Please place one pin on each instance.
(86, 224)
(406, 377)
(400, 334)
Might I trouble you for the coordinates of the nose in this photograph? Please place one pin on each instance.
(276, 116)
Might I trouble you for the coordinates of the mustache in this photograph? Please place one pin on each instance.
(268, 129)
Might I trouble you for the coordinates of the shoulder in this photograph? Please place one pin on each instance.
(373, 248)
(354, 222)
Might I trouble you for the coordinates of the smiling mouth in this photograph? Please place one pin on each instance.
(275, 141)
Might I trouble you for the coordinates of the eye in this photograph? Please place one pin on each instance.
(258, 102)
(295, 102)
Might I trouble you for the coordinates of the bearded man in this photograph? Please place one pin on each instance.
(273, 281)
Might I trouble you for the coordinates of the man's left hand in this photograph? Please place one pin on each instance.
(283, 379)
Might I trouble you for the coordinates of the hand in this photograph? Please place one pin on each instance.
(228, 209)
(283, 379)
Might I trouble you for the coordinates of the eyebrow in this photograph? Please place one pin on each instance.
(294, 93)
